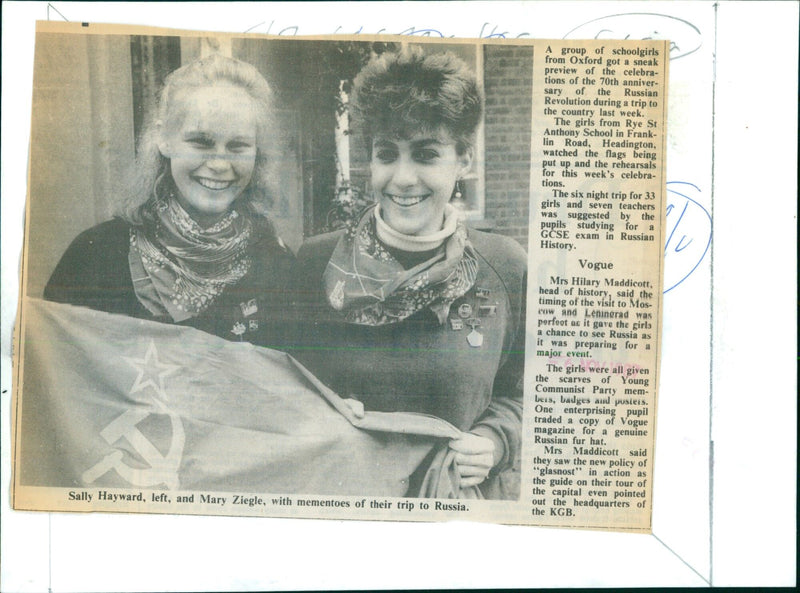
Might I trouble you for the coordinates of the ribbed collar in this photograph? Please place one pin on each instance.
(414, 243)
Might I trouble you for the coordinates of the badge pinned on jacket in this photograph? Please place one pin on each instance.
(474, 338)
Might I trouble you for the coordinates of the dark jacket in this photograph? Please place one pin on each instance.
(94, 272)
(418, 365)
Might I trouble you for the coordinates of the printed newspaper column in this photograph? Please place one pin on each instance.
(598, 145)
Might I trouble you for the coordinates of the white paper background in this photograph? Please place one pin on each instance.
(737, 361)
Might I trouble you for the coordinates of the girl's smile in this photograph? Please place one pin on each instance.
(210, 140)
(413, 180)
(407, 201)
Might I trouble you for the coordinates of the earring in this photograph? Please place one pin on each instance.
(457, 195)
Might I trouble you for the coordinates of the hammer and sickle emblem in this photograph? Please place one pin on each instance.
(163, 469)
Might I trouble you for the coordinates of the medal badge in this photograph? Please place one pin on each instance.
(249, 308)
(474, 338)
(456, 324)
(487, 310)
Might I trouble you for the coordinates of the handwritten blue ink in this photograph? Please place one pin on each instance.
(684, 37)
(415, 31)
(412, 31)
(409, 32)
(293, 28)
(688, 233)
(495, 35)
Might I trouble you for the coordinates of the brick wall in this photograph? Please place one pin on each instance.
(508, 73)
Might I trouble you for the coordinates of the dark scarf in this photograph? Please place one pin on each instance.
(365, 282)
(179, 268)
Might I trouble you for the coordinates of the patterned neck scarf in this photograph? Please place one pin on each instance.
(179, 268)
(370, 287)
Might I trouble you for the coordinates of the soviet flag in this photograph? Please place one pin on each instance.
(117, 402)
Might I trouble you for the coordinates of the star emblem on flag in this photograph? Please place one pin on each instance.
(152, 371)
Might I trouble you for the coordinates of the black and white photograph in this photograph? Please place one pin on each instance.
(268, 267)
(387, 295)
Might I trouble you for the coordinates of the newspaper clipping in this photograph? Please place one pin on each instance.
(346, 277)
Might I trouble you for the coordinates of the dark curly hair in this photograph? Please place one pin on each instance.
(399, 94)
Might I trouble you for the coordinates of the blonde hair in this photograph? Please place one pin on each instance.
(150, 175)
